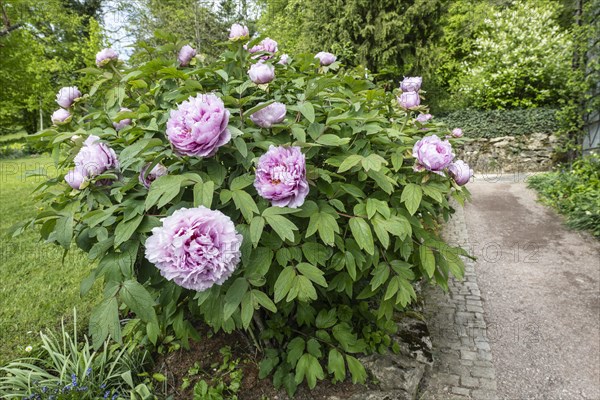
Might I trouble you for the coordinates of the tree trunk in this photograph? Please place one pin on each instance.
(41, 116)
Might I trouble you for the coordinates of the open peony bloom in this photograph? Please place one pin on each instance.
(198, 127)
(124, 122)
(270, 115)
(284, 59)
(238, 32)
(325, 58)
(457, 132)
(281, 176)
(146, 178)
(267, 45)
(60, 116)
(460, 172)
(409, 100)
(105, 56)
(196, 248)
(261, 73)
(433, 154)
(185, 55)
(67, 95)
(93, 159)
(422, 118)
(411, 84)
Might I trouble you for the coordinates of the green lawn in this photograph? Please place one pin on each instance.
(36, 288)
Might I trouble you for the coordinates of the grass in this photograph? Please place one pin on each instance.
(38, 288)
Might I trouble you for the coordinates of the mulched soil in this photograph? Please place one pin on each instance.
(206, 352)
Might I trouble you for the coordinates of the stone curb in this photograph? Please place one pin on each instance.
(463, 366)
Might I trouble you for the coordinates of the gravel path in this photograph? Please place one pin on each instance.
(539, 285)
(541, 290)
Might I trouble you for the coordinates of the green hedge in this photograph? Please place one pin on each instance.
(15, 146)
(496, 123)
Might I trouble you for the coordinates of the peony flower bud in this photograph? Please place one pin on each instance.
(198, 127)
(325, 58)
(411, 84)
(422, 118)
(67, 95)
(124, 122)
(284, 59)
(409, 100)
(460, 172)
(238, 32)
(146, 178)
(433, 154)
(281, 176)
(261, 73)
(457, 132)
(60, 116)
(105, 56)
(186, 54)
(270, 115)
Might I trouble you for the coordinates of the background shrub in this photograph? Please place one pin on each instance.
(574, 192)
(496, 123)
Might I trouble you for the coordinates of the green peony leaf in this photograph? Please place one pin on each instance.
(427, 260)
(411, 196)
(362, 233)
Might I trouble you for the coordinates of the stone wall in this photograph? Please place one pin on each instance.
(530, 153)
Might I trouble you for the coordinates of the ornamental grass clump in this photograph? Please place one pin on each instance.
(295, 201)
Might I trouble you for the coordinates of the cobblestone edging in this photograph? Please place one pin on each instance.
(463, 367)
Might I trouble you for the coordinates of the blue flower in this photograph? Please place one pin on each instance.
(88, 371)
(106, 394)
(73, 380)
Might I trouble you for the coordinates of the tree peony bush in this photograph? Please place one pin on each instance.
(305, 225)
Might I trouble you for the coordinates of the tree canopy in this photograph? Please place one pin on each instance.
(44, 43)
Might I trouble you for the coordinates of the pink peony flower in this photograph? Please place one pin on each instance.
(105, 56)
(238, 32)
(196, 248)
(411, 84)
(146, 178)
(93, 159)
(409, 100)
(60, 116)
(457, 132)
(422, 118)
(284, 59)
(185, 55)
(281, 176)
(460, 172)
(267, 45)
(67, 95)
(124, 122)
(325, 58)
(198, 127)
(270, 115)
(433, 154)
(261, 73)
(75, 178)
